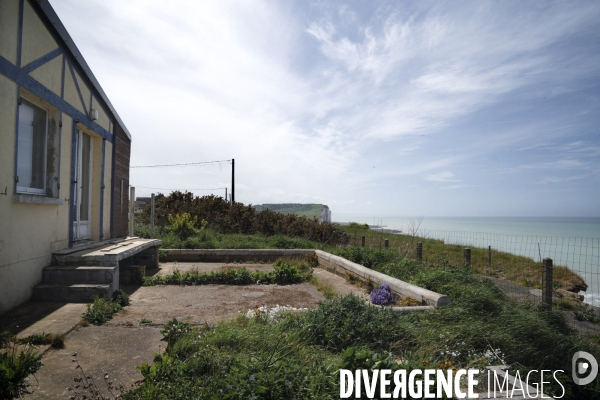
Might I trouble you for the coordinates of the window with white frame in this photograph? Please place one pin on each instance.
(37, 151)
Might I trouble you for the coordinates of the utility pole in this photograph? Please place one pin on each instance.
(232, 180)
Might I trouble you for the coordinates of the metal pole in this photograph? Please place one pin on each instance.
(489, 256)
(232, 180)
(226, 194)
(131, 202)
(152, 216)
(386, 243)
(362, 241)
(419, 251)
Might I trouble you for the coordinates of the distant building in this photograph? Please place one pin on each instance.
(325, 214)
(141, 203)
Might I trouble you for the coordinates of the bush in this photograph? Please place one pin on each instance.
(341, 323)
(121, 298)
(15, 366)
(100, 311)
(183, 225)
(217, 214)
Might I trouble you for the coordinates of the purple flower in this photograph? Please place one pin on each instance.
(382, 295)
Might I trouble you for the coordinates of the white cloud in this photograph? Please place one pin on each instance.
(444, 176)
(308, 98)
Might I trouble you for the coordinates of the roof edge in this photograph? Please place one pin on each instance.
(47, 10)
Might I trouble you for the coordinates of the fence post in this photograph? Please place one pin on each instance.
(467, 256)
(362, 241)
(131, 210)
(547, 282)
(489, 256)
(152, 216)
(386, 243)
(419, 251)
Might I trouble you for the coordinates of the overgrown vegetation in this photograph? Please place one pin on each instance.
(506, 266)
(299, 355)
(101, 310)
(302, 210)
(285, 273)
(57, 341)
(17, 362)
(217, 215)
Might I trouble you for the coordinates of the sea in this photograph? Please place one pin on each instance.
(573, 242)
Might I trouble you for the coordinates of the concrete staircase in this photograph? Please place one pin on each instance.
(76, 283)
(78, 274)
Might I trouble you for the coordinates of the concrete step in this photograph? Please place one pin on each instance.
(80, 274)
(71, 293)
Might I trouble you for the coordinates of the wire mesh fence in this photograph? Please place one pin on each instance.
(515, 263)
(579, 255)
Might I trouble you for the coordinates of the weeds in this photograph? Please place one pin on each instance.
(284, 274)
(57, 341)
(326, 288)
(100, 311)
(121, 298)
(17, 362)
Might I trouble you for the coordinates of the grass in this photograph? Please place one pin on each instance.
(299, 355)
(326, 289)
(285, 273)
(57, 341)
(522, 270)
(504, 265)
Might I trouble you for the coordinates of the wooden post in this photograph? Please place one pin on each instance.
(362, 241)
(467, 256)
(131, 206)
(386, 243)
(232, 181)
(547, 282)
(419, 251)
(152, 215)
(489, 256)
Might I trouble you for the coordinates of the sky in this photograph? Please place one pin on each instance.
(372, 107)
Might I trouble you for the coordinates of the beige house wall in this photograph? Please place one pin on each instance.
(9, 21)
(32, 227)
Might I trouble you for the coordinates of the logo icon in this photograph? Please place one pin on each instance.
(582, 367)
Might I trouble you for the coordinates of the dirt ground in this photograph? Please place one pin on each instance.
(123, 343)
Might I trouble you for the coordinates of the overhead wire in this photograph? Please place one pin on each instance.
(182, 165)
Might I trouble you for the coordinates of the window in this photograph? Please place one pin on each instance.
(37, 151)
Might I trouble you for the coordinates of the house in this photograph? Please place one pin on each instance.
(64, 150)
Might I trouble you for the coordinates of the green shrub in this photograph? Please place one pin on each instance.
(349, 321)
(184, 225)
(121, 298)
(100, 311)
(175, 330)
(16, 364)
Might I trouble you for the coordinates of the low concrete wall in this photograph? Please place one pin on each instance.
(327, 261)
(233, 255)
(341, 266)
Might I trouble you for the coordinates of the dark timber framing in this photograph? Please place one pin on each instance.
(74, 64)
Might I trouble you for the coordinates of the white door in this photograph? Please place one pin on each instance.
(83, 192)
